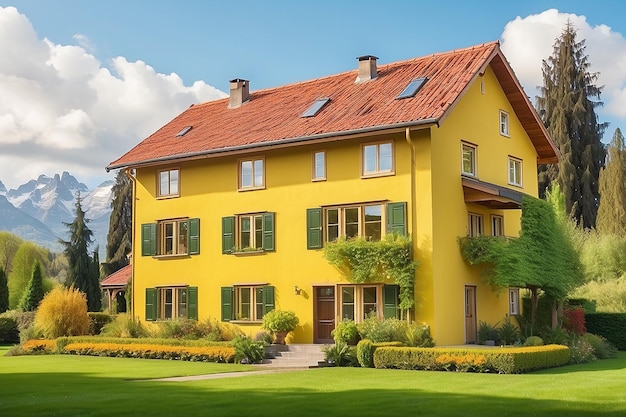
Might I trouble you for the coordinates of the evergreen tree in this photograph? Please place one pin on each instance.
(94, 291)
(119, 239)
(4, 291)
(568, 112)
(80, 272)
(33, 294)
(612, 211)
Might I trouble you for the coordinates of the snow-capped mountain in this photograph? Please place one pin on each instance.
(52, 202)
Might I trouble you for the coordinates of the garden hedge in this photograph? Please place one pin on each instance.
(499, 360)
(149, 351)
(608, 325)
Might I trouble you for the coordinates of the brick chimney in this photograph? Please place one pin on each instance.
(367, 68)
(239, 92)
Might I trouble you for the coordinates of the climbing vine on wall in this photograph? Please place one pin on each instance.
(390, 259)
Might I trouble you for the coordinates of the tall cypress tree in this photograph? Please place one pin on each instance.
(119, 239)
(80, 272)
(612, 211)
(33, 294)
(4, 291)
(568, 111)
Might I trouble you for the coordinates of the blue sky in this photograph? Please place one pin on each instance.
(109, 54)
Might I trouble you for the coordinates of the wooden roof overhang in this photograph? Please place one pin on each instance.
(491, 195)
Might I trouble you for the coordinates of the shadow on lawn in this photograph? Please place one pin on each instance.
(71, 394)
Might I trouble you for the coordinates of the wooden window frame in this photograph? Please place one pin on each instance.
(361, 220)
(504, 123)
(232, 240)
(360, 309)
(515, 171)
(253, 185)
(314, 166)
(169, 193)
(475, 225)
(183, 303)
(377, 172)
(497, 225)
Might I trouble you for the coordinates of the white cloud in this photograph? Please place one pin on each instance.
(529, 40)
(61, 109)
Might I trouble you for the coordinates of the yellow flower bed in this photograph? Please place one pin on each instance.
(39, 346)
(462, 363)
(149, 351)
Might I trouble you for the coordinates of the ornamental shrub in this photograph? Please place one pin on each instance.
(581, 351)
(63, 312)
(418, 335)
(382, 330)
(574, 320)
(98, 320)
(346, 331)
(365, 353)
(9, 333)
(340, 354)
(509, 334)
(247, 350)
(602, 348)
(125, 325)
(533, 341)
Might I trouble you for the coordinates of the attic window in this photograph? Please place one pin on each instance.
(183, 131)
(413, 87)
(315, 107)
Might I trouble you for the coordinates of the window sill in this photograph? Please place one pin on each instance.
(468, 175)
(250, 322)
(250, 188)
(175, 256)
(506, 135)
(249, 252)
(378, 174)
(166, 197)
(516, 185)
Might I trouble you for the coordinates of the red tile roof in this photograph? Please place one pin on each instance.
(273, 116)
(118, 278)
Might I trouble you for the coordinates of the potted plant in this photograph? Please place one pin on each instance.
(488, 334)
(280, 323)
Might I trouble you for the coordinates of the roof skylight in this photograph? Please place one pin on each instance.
(183, 131)
(413, 87)
(315, 107)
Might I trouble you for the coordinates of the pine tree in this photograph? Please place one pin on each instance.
(80, 272)
(612, 211)
(119, 239)
(568, 113)
(33, 294)
(94, 291)
(4, 291)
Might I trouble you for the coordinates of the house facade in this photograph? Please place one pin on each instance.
(235, 199)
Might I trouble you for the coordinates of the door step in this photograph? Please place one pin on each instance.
(294, 356)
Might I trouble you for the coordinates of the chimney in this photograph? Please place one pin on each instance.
(367, 68)
(239, 92)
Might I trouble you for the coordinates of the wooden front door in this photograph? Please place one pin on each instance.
(324, 314)
(470, 314)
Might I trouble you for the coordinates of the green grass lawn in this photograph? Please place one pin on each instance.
(63, 385)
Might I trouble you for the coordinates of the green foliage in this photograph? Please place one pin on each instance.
(610, 326)
(602, 255)
(487, 332)
(557, 336)
(365, 353)
(533, 341)
(509, 334)
(125, 326)
(4, 291)
(280, 321)
(382, 330)
(602, 348)
(33, 294)
(611, 218)
(98, 321)
(390, 259)
(567, 109)
(247, 350)
(340, 354)
(346, 331)
(189, 329)
(418, 335)
(581, 351)
(63, 312)
(21, 271)
(119, 238)
(9, 333)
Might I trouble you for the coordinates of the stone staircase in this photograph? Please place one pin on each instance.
(294, 356)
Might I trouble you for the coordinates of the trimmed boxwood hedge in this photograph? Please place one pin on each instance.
(608, 325)
(499, 360)
(64, 341)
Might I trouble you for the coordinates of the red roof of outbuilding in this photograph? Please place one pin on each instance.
(273, 116)
(118, 278)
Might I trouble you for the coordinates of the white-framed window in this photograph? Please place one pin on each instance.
(514, 306)
(515, 171)
(474, 224)
(468, 159)
(168, 185)
(172, 303)
(174, 237)
(497, 225)
(251, 174)
(249, 303)
(319, 166)
(504, 123)
(354, 221)
(377, 159)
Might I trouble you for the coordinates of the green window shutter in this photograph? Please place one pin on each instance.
(227, 303)
(228, 234)
(148, 239)
(396, 218)
(268, 299)
(391, 301)
(268, 232)
(194, 236)
(192, 303)
(314, 228)
(151, 304)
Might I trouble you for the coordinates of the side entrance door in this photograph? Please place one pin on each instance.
(470, 314)
(324, 314)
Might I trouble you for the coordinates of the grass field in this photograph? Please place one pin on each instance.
(91, 386)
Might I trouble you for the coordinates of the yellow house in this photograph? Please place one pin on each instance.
(234, 199)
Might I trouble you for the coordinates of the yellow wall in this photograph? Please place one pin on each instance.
(437, 215)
